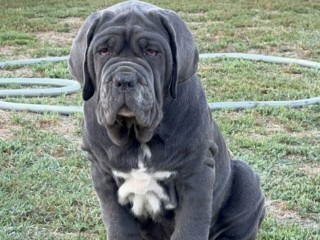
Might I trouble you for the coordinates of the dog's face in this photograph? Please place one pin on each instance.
(131, 57)
(130, 63)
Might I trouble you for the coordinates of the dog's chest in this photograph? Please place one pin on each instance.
(143, 188)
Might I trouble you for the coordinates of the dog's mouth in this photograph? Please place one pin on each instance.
(125, 111)
(130, 119)
(126, 117)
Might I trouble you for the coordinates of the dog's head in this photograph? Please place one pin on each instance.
(132, 57)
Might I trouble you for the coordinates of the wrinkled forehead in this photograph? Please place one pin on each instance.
(131, 22)
(129, 17)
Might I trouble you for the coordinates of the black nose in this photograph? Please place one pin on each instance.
(125, 81)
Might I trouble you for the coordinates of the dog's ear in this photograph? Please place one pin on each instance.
(79, 54)
(184, 51)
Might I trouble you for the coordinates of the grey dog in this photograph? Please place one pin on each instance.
(159, 164)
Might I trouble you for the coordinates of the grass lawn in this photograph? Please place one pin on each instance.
(45, 186)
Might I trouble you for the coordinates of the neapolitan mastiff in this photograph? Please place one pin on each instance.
(159, 163)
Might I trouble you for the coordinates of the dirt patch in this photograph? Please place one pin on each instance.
(311, 169)
(8, 50)
(21, 72)
(308, 134)
(65, 126)
(279, 210)
(62, 38)
(196, 14)
(68, 128)
(6, 126)
(13, 53)
(283, 51)
(56, 38)
(273, 127)
(74, 21)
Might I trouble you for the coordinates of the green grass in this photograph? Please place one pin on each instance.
(45, 186)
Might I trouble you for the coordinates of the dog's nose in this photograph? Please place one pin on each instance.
(125, 81)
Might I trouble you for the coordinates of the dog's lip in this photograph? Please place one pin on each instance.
(125, 111)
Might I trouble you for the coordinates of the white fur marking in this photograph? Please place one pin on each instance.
(169, 206)
(153, 205)
(138, 202)
(146, 153)
(142, 190)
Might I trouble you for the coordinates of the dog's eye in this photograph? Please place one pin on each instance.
(105, 52)
(151, 52)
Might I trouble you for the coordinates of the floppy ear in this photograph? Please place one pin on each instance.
(184, 51)
(78, 55)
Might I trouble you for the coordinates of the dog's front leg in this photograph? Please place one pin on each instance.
(119, 223)
(194, 212)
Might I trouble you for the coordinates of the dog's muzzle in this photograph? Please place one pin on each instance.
(126, 90)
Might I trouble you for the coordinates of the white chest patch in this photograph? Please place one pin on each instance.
(142, 189)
